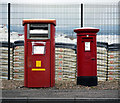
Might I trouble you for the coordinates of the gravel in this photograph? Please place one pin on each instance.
(102, 85)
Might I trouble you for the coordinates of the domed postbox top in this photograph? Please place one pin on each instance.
(86, 30)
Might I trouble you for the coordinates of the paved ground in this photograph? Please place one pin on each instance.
(30, 95)
(51, 93)
(14, 90)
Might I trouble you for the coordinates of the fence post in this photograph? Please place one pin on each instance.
(81, 15)
(107, 63)
(8, 41)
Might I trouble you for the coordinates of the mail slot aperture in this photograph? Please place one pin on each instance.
(38, 31)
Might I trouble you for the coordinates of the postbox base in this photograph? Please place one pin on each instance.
(87, 80)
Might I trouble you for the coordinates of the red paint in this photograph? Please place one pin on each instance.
(111, 56)
(60, 62)
(60, 56)
(110, 78)
(86, 60)
(111, 62)
(20, 34)
(59, 67)
(39, 78)
(111, 67)
(61, 50)
(111, 73)
(46, 21)
(59, 73)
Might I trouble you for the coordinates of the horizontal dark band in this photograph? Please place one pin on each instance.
(87, 80)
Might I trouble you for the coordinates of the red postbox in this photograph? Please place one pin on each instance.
(39, 50)
(86, 56)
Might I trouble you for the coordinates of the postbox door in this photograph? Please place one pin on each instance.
(38, 64)
(88, 54)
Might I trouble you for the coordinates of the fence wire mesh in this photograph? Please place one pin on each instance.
(68, 17)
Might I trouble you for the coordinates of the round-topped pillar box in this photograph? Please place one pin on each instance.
(86, 56)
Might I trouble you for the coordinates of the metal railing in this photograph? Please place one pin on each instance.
(68, 17)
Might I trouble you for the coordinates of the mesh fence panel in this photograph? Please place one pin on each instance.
(68, 17)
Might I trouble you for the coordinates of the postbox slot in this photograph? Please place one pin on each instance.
(38, 35)
(38, 31)
(37, 26)
(87, 38)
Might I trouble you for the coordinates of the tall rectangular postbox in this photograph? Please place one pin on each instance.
(86, 56)
(39, 50)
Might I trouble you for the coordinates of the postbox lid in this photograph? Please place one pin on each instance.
(48, 21)
(86, 30)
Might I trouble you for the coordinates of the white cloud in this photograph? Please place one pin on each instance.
(59, 1)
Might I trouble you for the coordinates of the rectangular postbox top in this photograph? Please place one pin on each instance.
(86, 30)
(46, 21)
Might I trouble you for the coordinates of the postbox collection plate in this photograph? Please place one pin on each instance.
(87, 46)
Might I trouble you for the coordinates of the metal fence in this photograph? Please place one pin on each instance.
(106, 18)
(68, 17)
